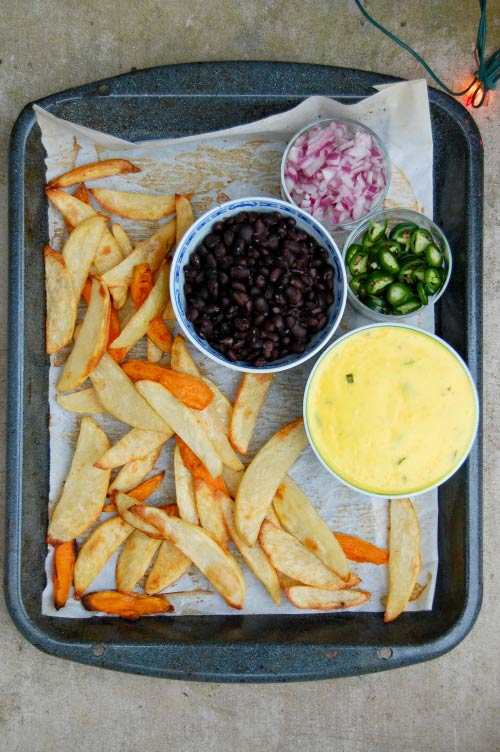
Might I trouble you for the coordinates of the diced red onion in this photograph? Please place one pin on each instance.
(334, 174)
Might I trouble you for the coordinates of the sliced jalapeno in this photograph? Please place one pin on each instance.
(376, 231)
(358, 285)
(407, 269)
(418, 273)
(388, 261)
(402, 233)
(422, 294)
(433, 279)
(409, 306)
(378, 281)
(354, 248)
(433, 255)
(419, 240)
(359, 263)
(397, 293)
(376, 303)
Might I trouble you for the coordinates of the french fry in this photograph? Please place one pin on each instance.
(197, 468)
(82, 194)
(184, 214)
(218, 566)
(124, 503)
(183, 423)
(134, 559)
(232, 479)
(73, 210)
(61, 302)
(190, 390)
(145, 206)
(84, 401)
(272, 517)
(222, 405)
(215, 431)
(404, 556)
(250, 397)
(91, 341)
(129, 606)
(286, 581)
(168, 313)
(361, 551)
(254, 556)
(64, 564)
(325, 600)
(136, 444)
(153, 353)
(180, 358)
(134, 472)
(263, 476)
(79, 250)
(114, 323)
(140, 288)
(96, 550)
(85, 487)
(184, 489)
(93, 171)
(140, 322)
(292, 558)
(151, 251)
(117, 393)
(169, 566)
(141, 492)
(210, 512)
(108, 253)
(300, 519)
(122, 239)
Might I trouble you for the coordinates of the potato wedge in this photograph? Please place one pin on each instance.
(147, 206)
(222, 404)
(325, 600)
(292, 558)
(140, 492)
(108, 253)
(91, 341)
(153, 353)
(79, 251)
(82, 194)
(114, 323)
(404, 556)
(152, 306)
(84, 401)
(136, 444)
(117, 393)
(122, 239)
(184, 489)
(197, 468)
(124, 503)
(134, 472)
(129, 606)
(151, 251)
(183, 423)
(180, 358)
(215, 431)
(210, 512)
(93, 171)
(184, 214)
(135, 558)
(254, 556)
(100, 546)
(73, 210)
(62, 579)
(85, 488)
(61, 302)
(362, 551)
(250, 397)
(218, 566)
(169, 566)
(263, 476)
(190, 390)
(300, 519)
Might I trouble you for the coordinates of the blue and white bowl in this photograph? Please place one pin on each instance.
(202, 227)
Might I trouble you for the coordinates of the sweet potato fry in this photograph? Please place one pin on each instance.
(64, 564)
(141, 492)
(188, 389)
(197, 468)
(146, 206)
(361, 551)
(140, 288)
(93, 171)
(129, 606)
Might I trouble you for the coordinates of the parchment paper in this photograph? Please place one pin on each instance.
(245, 161)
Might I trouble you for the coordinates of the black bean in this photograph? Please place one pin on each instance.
(298, 331)
(228, 238)
(239, 286)
(293, 295)
(231, 355)
(279, 323)
(218, 227)
(261, 305)
(258, 320)
(242, 324)
(211, 240)
(260, 280)
(275, 274)
(192, 314)
(238, 247)
(239, 272)
(240, 298)
(219, 250)
(223, 278)
(213, 288)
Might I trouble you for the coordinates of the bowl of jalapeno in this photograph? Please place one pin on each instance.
(398, 262)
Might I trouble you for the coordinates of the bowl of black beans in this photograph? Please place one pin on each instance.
(258, 285)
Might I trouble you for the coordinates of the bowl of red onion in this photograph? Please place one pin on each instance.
(337, 170)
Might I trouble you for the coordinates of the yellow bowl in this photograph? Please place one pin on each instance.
(391, 410)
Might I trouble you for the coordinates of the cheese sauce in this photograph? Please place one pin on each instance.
(391, 410)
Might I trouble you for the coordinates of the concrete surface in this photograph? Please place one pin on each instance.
(452, 703)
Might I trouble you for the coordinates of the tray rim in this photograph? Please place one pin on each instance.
(123, 655)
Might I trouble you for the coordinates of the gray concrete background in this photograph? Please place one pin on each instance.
(452, 703)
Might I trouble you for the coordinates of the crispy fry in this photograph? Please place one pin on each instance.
(145, 206)
(188, 389)
(404, 556)
(210, 512)
(250, 397)
(79, 251)
(73, 210)
(82, 194)
(184, 488)
(129, 606)
(135, 557)
(93, 171)
(197, 468)
(160, 335)
(84, 401)
(61, 302)
(169, 566)
(85, 488)
(184, 214)
(134, 472)
(263, 476)
(362, 551)
(122, 239)
(64, 564)
(325, 600)
(136, 444)
(140, 288)
(100, 546)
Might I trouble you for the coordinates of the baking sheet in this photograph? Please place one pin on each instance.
(240, 162)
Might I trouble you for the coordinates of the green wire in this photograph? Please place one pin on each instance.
(485, 78)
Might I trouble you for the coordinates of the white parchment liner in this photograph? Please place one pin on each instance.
(245, 161)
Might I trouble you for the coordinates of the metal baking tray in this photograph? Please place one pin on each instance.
(175, 101)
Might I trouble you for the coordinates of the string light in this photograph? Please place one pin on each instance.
(488, 71)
